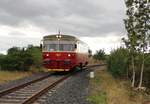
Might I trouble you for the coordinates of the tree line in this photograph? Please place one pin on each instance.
(120, 65)
(133, 61)
(21, 59)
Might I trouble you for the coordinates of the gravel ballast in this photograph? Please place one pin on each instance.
(73, 91)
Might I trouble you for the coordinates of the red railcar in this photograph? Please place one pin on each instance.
(63, 52)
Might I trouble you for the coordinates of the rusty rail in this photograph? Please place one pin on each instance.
(9, 90)
(41, 92)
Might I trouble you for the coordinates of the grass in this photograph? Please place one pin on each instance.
(35, 70)
(97, 95)
(6, 76)
(107, 90)
(99, 98)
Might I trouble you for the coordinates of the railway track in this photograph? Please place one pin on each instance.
(11, 89)
(29, 92)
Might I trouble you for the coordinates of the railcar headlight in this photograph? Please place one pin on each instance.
(69, 55)
(47, 54)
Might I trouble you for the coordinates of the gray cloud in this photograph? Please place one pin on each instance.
(81, 17)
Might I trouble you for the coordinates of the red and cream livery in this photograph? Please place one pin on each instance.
(63, 52)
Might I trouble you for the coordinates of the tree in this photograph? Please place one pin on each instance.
(131, 42)
(137, 26)
(142, 26)
(13, 50)
(99, 55)
(36, 55)
(2, 57)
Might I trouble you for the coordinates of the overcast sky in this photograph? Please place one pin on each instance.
(99, 23)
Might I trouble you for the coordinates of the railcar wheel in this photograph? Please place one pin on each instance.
(85, 63)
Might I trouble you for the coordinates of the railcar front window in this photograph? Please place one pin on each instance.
(66, 47)
(53, 47)
(60, 47)
(45, 47)
(50, 47)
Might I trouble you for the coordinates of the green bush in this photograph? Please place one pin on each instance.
(118, 62)
(36, 55)
(16, 59)
(146, 78)
(146, 73)
(21, 59)
(99, 55)
(2, 57)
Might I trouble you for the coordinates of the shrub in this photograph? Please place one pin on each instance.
(146, 77)
(36, 55)
(99, 55)
(16, 59)
(2, 57)
(19, 60)
(118, 62)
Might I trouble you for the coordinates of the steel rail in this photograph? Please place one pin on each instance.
(43, 91)
(12, 89)
(96, 65)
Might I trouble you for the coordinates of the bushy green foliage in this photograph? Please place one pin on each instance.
(36, 54)
(118, 62)
(21, 59)
(146, 73)
(2, 57)
(13, 51)
(146, 78)
(99, 55)
(16, 59)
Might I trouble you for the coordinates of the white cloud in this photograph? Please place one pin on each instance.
(107, 43)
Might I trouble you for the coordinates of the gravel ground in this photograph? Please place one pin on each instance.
(73, 91)
(21, 81)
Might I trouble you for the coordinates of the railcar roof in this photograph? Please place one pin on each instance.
(63, 37)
